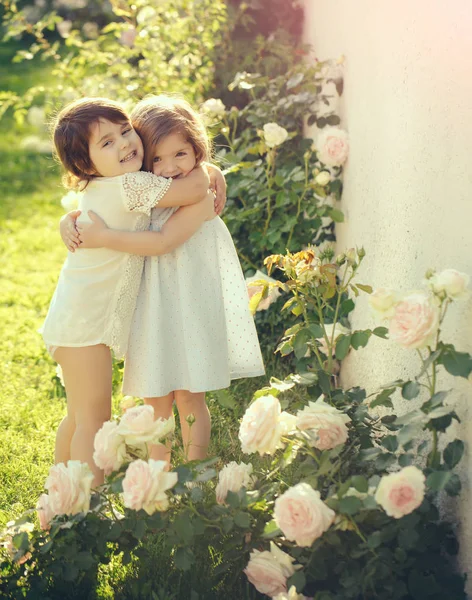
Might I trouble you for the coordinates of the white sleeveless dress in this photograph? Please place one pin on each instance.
(97, 289)
(192, 329)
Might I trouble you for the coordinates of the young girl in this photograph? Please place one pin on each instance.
(202, 334)
(94, 301)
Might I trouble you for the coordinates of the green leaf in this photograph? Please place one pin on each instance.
(437, 480)
(409, 432)
(456, 363)
(390, 443)
(453, 486)
(350, 505)
(298, 579)
(453, 453)
(336, 215)
(342, 346)
(410, 390)
(365, 288)
(383, 399)
(360, 483)
(360, 339)
(232, 499)
(271, 530)
(381, 332)
(406, 460)
(242, 519)
(316, 330)
(184, 558)
(140, 529)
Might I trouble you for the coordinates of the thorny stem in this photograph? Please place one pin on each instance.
(269, 174)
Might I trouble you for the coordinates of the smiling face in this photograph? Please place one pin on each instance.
(173, 156)
(115, 148)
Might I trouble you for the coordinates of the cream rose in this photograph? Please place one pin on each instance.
(109, 448)
(323, 178)
(383, 302)
(415, 321)
(400, 493)
(338, 330)
(44, 510)
(290, 595)
(450, 283)
(274, 135)
(232, 478)
(263, 425)
(214, 107)
(301, 514)
(308, 272)
(137, 426)
(268, 571)
(325, 424)
(145, 485)
(332, 146)
(69, 488)
(253, 288)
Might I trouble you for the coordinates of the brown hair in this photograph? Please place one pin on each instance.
(155, 117)
(71, 133)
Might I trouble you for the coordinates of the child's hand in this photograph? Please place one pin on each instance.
(209, 206)
(68, 230)
(92, 235)
(218, 185)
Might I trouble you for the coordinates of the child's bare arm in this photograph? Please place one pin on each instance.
(177, 230)
(218, 185)
(68, 230)
(188, 190)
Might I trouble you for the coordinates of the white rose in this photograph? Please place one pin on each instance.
(325, 424)
(69, 488)
(274, 135)
(290, 595)
(137, 426)
(323, 178)
(450, 283)
(401, 493)
(145, 485)
(110, 452)
(332, 146)
(214, 106)
(263, 426)
(232, 478)
(383, 302)
(268, 571)
(338, 330)
(253, 288)
(71, 200)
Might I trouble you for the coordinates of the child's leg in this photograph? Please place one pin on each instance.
(64, 435)
(162, 406)
(88, 381)
(195, 437)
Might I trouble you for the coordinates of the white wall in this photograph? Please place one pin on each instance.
(408, 184)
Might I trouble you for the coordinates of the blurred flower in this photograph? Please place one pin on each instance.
(274, 135)
(232, 478)
(128, 36)
(90, 30)
(64, 28)
(290, 595)
(214, 107)
(110, 452)
(37, 117)
(449, 283)
(137, 426)
(33, 143)
(323, 178)
(146, 14)
(269, 570)
(332, 146)
(71, 200)
(415, 321)
(69, 488)
(383, 302)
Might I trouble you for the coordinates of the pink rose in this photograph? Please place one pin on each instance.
(415, 321)
(232, 478)
(110, 448)
(69, 488)
(325, 424)
(137, 426)
(45, 513)
(400, 493)
(263, 426)
(268, 571)
(145, 485)
(332, 146)
(302, 515)
(128, 36)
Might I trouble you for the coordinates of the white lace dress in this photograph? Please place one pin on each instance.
(192, 329)
(97, 289)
